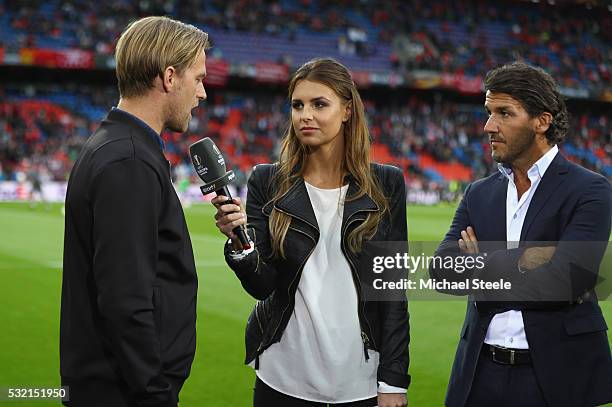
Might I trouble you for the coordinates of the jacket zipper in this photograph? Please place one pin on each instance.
(299, 273)
(262, 334)
(364, 339)
(359, 294)
(261, 346)
(364, 336)
(258, 321)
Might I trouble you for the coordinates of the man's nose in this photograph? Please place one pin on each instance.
(201, 92)
(491, 125)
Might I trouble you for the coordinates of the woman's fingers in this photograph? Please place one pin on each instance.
(220, 203)
(217, 200)
(229, 221)
(228, 215)
(220, 199)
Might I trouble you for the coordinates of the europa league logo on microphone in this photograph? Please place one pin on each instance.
(197, 164)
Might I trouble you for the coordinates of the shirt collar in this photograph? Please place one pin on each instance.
(539, 167)
(148, 129)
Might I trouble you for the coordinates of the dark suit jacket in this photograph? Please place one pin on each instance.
(127, 331)
(564, 324)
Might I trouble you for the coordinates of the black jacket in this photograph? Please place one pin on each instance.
(127, 332)
(274, 281)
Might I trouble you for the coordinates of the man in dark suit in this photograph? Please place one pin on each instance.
(543, 342)
(127, 331)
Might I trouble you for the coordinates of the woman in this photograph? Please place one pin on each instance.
(311, 337)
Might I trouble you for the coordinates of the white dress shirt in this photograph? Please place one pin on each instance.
(507, 329)
(320, 356)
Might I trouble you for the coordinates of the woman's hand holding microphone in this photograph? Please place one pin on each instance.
(228, 216)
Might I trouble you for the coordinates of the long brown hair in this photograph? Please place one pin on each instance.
(356, 160)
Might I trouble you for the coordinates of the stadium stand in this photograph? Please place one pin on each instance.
(440, 140)
(469, 37)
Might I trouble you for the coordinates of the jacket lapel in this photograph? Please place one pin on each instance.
(352, 206)
(549, 183)
(296, 203)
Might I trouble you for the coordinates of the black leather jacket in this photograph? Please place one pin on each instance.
(274, 281)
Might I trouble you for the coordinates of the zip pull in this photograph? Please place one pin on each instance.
(364, 339)
(169, 170)
(259, 351)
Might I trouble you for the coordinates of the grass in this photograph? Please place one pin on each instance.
(30, 286)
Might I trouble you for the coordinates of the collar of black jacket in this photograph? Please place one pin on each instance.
(121, 116)
(352, 205)
(296, 202)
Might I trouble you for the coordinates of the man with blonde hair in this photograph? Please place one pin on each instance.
(127, 331)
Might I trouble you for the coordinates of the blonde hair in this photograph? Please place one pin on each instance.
(149, 45)
(356, 160)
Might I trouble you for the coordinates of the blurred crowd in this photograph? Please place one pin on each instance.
(42, 130)
(569, 40)
(37, 133)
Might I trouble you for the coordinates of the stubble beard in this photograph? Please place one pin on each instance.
(177, 122)
(521, 143)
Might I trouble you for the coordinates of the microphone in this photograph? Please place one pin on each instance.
(210, 167)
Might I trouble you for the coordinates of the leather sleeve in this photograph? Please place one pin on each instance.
(394, 352)
(255, 271)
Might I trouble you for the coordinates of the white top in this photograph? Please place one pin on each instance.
(320, 356)
(507, 329)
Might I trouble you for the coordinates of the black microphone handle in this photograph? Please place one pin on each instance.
(239, 230)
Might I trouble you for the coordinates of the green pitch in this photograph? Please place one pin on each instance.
(30, 284)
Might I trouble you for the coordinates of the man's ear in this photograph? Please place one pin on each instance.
(542, 122)
(169, 78)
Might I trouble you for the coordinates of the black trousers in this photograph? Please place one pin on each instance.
(265, 396)
(504, 385)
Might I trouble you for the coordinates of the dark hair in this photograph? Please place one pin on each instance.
(536, 91)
